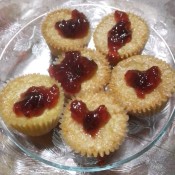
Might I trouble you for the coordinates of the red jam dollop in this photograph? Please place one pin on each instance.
(118, 36)
(144, 82)
(72, 71)
(35, 100)
(92, 121)
(77, 27)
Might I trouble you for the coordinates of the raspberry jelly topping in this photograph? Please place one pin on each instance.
(118, 36)
(35, 100)
(144, 82)
(72, 71)
(92, 121)
(77, 27)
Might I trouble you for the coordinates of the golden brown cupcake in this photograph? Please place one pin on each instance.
(81, 71)
(31, 104)
(94, 125)
(65, 30)
(127, 33)
(143, 84)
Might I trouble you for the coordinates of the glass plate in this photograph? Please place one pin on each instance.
(27, 52)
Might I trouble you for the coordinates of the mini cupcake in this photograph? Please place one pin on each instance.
(120, 35)
(66, 30)
(143, 84)
(94, 125)
(31, 104)
(81, 71)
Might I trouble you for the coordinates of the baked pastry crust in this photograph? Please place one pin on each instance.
(33, 126)
(154, 101)
(55, 41)
(108, 138)
(102, 76)
(140, 34)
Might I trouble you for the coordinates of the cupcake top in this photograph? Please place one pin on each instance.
(120, 35)
(94, 125)
(142, 83)
(81, 71)
(31, 103)
(66, 29)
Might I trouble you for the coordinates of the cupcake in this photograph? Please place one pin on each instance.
(81, 71)
(31, 104)
(94, 124)
(143, 84)
(120, 35)
(65, 30)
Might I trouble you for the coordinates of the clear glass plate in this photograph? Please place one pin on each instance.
(27, 52)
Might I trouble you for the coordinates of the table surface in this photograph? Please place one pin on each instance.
(159, 160)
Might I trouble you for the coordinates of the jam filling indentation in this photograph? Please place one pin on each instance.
(118, 36)
(144, 82)
(91, 121)
(73, 71)
(35, 100)
(77, 27)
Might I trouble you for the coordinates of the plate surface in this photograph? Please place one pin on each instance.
(27, 52)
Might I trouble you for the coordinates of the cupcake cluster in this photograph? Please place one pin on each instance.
(90, 93)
